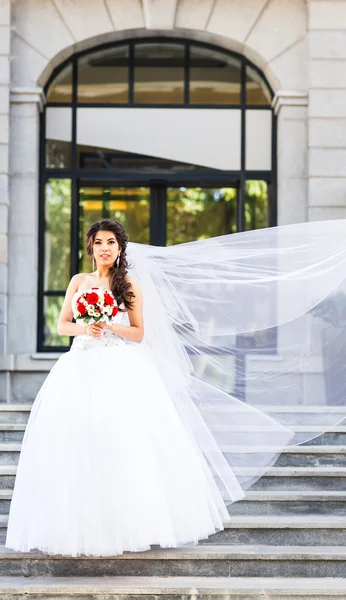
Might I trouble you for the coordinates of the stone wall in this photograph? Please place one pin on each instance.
(327, 109)
(5, 19)
(272, 33)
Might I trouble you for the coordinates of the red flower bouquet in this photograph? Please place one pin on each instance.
(94, 305)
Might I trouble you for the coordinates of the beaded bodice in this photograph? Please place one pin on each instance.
(108, 338)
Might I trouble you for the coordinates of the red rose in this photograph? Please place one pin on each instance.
(81, 309)
(95, 288)
(108, 299)
(115, 310)
(92, 298)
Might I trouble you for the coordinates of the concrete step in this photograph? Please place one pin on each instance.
(318, 415)
(310, 433)
(302, 478)
(167, 588)
(14, 413)
(294, 456)
(296, 530)
(313, 456)
(321, 416)
(276, 478)
(332, 503)
(290, 503)
(14, 432)
(297, 456)
(9, 453)
(336, 436)
(293, 530)
(197, 561)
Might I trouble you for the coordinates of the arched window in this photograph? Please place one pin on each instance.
(173, 138)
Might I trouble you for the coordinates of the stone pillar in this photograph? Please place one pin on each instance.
(5, 22)
(327, 109)
(23, 225)
(291, 110)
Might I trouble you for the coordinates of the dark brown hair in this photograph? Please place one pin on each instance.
(118, 284)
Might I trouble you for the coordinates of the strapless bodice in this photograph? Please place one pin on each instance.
(108, 338)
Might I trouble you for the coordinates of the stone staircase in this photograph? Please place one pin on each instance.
(286, 540)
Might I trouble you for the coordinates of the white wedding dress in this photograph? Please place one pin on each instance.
(107, 464)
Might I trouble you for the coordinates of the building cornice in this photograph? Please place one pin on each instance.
(289, 98)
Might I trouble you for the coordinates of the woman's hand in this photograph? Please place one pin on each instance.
(95, 329)
(105, 325)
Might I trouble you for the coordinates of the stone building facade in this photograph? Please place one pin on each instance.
(298, 46)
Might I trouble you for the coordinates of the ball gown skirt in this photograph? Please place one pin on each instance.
(106, 464)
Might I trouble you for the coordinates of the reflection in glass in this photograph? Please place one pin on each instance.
(104, 76)
(159, 77)
(129, 206)
(60, 90)
(214, 77)
(58, 154)
(257, 92)
(94, 157)
(256, 205)
(58, 137)
(159, 74)
(199, 213)
(57, 234)
(51, 307)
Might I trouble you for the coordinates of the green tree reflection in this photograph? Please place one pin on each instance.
(200, 213)
(256, 205)
(57, 254)
(57, 234)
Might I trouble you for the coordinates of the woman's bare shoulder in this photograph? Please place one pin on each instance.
(132, 281)
(81, 276)
(134, 286)
(77, 279)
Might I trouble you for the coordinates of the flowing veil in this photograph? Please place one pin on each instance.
(249, 333)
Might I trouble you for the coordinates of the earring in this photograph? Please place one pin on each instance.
(117, 261)
(93, 263)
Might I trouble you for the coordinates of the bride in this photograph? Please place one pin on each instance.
(133, 441)
(106, 463)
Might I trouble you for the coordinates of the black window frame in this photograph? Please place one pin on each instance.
(203, 178)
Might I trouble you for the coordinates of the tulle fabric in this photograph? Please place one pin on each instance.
(107, 465)
(250, 329)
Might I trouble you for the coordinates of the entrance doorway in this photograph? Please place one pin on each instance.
(159, 213)
(173, 138)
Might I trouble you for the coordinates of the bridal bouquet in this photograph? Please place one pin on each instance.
(94, 305)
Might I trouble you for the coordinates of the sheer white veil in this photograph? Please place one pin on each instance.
(249, 332)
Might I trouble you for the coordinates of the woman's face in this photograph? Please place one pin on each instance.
(105, 248)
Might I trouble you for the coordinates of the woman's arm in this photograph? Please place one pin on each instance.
(134, 332)
(65, 325)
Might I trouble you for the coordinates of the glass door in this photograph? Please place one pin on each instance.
(128, 205)
(157, 214)
(160, 214)
(196, 213)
